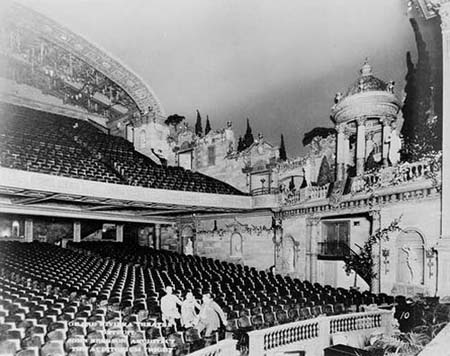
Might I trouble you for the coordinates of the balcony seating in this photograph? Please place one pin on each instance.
(48, 293)
(52, 144)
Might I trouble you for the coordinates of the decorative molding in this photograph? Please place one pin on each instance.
(312, 220)
(361, 121)
(238, 227)
(364, 202)
(444, 13)
(375, 214)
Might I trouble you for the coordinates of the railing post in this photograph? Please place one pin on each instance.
(324, 332)
(256, 343)
(229, 347)
(387, 318)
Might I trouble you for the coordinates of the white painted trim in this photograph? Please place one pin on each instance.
(44, 182)
(79, 214)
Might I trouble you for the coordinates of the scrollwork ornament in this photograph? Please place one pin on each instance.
(445, 20)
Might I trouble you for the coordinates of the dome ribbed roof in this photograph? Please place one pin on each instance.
(366, 82)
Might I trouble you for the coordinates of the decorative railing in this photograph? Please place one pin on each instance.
(390, 176)
(222, 348)
(355, 322)
(306, 194)
(313, 335)
(265, 191)
(318, 193)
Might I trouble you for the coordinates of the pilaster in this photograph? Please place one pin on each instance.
(28, 230)
(313, 223)
(119, 232)
(376, 252)
(76, 231)
(157, 231)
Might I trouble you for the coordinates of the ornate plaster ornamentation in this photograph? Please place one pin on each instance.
(43, 27)
(238, 227)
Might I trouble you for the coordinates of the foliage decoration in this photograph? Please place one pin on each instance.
(362, 262)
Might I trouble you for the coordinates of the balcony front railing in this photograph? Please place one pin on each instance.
(391, 176)
(305, 194)
(313, 335)
(265, 191)
(222, 348)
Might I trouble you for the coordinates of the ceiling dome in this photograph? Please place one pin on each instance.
(366, 82)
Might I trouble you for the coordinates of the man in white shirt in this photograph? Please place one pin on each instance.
(169, 307)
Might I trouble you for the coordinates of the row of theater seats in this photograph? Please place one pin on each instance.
(53, 144)
(138, 169)
(251, 299)
(48, 306)
(130, 279)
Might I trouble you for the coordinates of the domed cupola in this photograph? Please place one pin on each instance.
(365, 118)
(368, 96)
(366, 82)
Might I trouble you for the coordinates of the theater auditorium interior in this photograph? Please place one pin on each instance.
(106, 201)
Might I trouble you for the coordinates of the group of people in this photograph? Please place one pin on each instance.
(207, 319)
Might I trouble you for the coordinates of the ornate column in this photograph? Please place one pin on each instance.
(376, 252)
(444, 12)
(386, 124)
(28, 230)
(360, 145)
(346, 152)
(340, 157)
(157, 236)
(119, 232)
(444, 242)
(76, 231)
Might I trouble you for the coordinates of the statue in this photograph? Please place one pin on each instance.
(189, 248)
(361, 85)
(289, 256)
(307, 172)
(338, 97)
(390, 87)
(236, 245)
(412, 262)
(395, 144)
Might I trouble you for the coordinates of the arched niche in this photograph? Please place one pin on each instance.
(236, 245)
(289, 254)
(188, 239)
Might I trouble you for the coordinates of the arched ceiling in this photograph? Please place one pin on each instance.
(120, 88)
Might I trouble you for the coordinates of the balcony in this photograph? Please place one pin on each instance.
(333, 249)
(393, 176)
(265, 191)
(305, 195)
